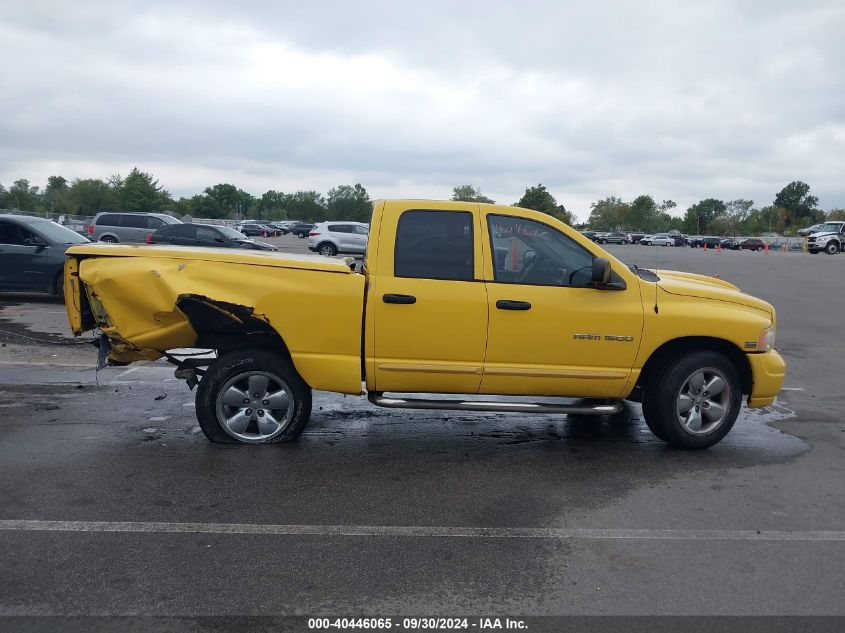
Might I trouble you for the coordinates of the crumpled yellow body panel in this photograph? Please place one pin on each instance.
(317, 313)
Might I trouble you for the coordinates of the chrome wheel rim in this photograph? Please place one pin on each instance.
(255, 406)
(326, 251)
(704, 401)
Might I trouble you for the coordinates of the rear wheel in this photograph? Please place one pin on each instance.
(693, 401)
(59, 288)
(252, 397)
(109, 239)
(327, 250)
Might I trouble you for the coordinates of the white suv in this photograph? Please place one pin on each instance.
(331, 238)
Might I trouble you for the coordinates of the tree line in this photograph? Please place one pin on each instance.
(793, 206)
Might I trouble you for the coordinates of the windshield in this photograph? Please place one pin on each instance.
(232, 234)
(57, 233)
(828, 226)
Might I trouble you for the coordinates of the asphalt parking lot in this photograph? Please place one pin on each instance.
(383, 512)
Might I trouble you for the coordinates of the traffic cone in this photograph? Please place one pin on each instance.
(265, 232)
(765, 248)
(705, 247)
(719, 247)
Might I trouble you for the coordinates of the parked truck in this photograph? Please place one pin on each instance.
(478, 301)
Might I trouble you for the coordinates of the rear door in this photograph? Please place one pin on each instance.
(427, 299)
(133, 228)
(360, 235)
(207, 236)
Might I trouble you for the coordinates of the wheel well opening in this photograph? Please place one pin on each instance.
(229, 326)
(693, 344)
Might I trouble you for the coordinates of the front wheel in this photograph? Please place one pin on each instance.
(832, 248)
(253, 397)
(693, 401)
(108, 239)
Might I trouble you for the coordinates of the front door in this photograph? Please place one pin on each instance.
(23, 259)
(550, 332)
(427, 301)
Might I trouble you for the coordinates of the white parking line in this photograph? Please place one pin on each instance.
(417, 531)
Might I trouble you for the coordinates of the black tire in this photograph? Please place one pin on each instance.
(108, 239)
(329, 248)
(624, 242)
(832, 248)
(662, 394)
(300, 235)
(59, 287)
(602, 241)
(227, 372)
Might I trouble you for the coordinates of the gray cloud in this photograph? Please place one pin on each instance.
(718, 99)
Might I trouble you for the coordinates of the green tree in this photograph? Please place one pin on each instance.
(470, 193)
(139, 191)
(835, 214)
(272, 205)
(91, 195)
(608, 214)
(307, 205)
(700, 215)
(56, 196)
(23, 195)
(224, 200)
(539, 199)
(347, 202)
(795, 198)
(643, 214)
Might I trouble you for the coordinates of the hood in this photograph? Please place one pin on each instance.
(824, 233)
(704, 287)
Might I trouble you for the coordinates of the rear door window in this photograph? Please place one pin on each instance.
(109, 219)
(434, 245)
(133, 221)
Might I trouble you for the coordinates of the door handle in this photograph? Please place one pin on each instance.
(399, 299)
(507, 304)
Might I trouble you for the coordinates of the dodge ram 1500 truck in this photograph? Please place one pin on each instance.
(452, 298)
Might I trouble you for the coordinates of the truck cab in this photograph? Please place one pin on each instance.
(828, 237)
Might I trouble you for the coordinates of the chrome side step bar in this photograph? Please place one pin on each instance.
(599, 408)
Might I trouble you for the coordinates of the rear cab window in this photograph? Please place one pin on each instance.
(435, 245)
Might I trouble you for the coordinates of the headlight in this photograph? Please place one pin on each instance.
(766, 340)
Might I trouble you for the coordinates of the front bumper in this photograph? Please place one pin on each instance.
(767, 373)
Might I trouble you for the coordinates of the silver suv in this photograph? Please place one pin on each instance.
(331, 238)
(127, 227)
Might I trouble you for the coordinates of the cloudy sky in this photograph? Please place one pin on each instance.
(679, 100)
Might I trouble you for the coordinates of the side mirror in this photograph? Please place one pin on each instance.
(601, 271)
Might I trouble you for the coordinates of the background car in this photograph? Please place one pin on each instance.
(301, 229)
(729, 243)
(699, 241)
(32, 254)
(255, 229)
(331, 238)
(614, 237)
(119, 226)
(680, 240)
(281, 228)
(661, 239)
(206, 235)
(810, 229)
(590, 235)
(636, 237)
(751, 244)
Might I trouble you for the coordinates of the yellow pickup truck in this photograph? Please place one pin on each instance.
(461, 298)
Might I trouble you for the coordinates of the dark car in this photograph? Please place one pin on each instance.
(281, 228)
(302, 229)
(206, 235)
(680, 240)
(701, 242)
(636, 237)
(32, 254)
(729, 243)
(751, 244)
(254, 229)
(614, 237)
